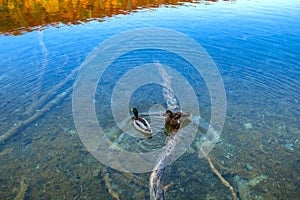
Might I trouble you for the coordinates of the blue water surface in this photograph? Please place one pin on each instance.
(254, 44)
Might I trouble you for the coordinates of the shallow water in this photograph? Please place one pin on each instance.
(255, 46)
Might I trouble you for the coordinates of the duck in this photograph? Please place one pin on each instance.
(174, 120)
(141, 124)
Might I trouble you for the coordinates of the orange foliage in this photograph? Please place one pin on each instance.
(19, 16)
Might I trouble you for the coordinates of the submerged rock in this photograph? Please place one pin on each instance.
(73, 132)
(245, 185)
(248, 126)
(249, 166)
(253, 182)
(289, 146)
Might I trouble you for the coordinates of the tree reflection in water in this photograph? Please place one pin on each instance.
(19, 16)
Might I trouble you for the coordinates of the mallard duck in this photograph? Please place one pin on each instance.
(140, 123)
(173, 120)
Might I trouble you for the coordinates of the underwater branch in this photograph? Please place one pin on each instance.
(218, 174)
(156, 184)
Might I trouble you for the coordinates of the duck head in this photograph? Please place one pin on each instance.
(168, 113)
(135, 112)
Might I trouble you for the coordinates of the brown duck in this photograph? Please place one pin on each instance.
(174, 120)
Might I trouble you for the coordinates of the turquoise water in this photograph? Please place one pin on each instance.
(255, 45)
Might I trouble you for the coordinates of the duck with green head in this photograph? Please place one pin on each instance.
(141, 124)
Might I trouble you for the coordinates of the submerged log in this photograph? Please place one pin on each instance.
(156, 183)
(156, 186)
(219, 175)
(174, 122)
(35, 116)
(42, 105)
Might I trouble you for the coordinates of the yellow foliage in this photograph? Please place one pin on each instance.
(31, 13)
